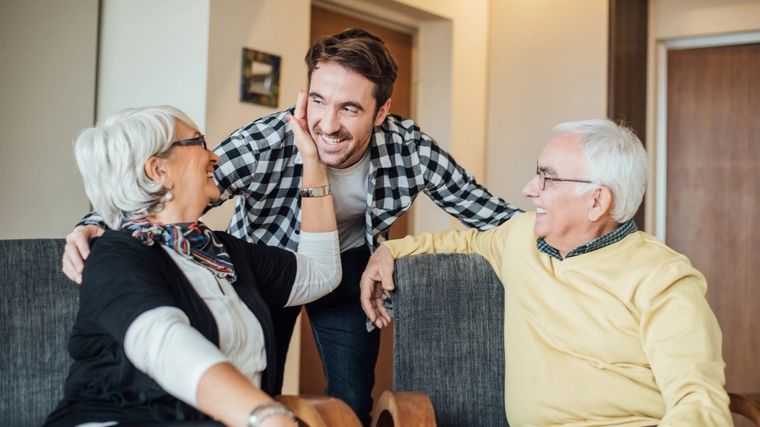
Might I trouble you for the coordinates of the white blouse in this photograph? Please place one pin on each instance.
(161, 342)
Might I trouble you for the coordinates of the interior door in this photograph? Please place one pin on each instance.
(325, 22)
(713, 196)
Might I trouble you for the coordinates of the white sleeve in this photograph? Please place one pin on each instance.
(318, 267)
(161, 343)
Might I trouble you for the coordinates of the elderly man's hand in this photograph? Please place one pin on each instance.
(77, 249)
(376, 280)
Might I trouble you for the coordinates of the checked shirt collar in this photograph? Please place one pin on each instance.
(614, 236)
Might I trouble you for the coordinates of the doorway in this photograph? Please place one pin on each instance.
(325, 21)
(711, 183)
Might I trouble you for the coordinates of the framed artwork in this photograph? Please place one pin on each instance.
(260, 78)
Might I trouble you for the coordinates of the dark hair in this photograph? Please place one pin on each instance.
(359, 51)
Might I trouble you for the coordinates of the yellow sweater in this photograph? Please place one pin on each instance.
(619, 336)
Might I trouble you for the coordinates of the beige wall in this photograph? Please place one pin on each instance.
(435, 109)
(469, 60)
(455, 40)
(456, 50)
(548, 64)
(683, 19)
(47, 82)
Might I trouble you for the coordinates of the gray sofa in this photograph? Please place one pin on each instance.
(37, 310)
(448, 337)
(446, 305)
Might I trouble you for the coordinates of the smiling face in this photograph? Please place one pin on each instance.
(190, 173)
(562, 215)
(341, 114)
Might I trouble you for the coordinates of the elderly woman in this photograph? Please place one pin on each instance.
(175, 320)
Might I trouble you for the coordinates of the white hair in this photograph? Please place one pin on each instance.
(111, 157)
(616, 159)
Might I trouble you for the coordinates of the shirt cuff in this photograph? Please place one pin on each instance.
(318, 267)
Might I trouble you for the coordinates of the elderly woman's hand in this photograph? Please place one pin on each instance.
(303, 140)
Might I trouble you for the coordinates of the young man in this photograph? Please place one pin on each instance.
(377, 164)
(603, 325)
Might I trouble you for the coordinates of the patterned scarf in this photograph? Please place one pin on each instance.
(194, 241)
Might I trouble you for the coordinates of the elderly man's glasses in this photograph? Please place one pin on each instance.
(198, 140)
(542, 178)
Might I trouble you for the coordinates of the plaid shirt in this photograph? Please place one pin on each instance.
(615, 236)
(260, 163)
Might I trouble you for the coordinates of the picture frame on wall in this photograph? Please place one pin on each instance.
(260, 78)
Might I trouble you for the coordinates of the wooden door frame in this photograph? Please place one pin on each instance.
(658, 151)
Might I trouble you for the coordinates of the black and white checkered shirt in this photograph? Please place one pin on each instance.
(260, 163)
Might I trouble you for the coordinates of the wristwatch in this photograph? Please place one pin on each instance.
(316, 191)
(266, 410)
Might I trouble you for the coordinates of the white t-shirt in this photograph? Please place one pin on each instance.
(349, 190)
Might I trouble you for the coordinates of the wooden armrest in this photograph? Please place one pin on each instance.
(747, 405)
(403, 409)
(320, 411)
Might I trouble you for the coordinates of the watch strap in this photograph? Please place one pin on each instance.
(316, 191)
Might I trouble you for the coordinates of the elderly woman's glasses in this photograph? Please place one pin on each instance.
(198, 140)
(542, 178)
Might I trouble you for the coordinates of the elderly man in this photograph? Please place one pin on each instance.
(604, 324)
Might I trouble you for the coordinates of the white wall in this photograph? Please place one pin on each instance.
(548, 64)
(682, 19)
(154, 52)
(47, 82)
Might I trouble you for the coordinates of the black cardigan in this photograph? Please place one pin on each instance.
(124, 278)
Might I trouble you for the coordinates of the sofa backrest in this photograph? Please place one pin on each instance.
(37, 310)
(449, 337)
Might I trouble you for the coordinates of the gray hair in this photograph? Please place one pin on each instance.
(617, 160)
(111, 157)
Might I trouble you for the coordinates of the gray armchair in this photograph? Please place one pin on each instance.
(449, 338)
(449, 345)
